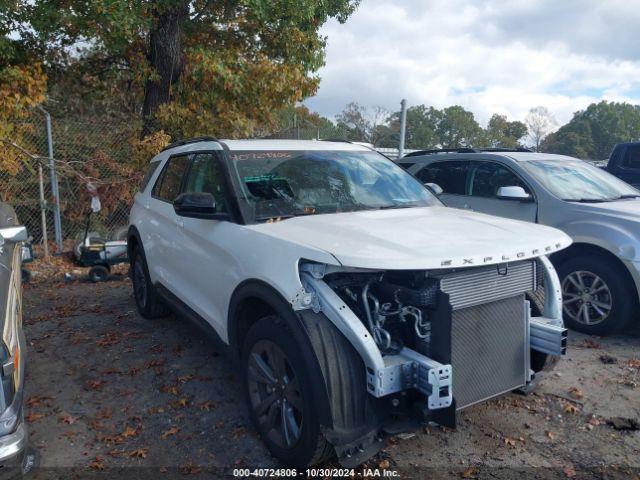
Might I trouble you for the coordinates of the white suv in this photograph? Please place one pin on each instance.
(353, 300)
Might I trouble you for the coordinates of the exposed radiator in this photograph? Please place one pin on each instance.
(481, 285)
(489, 349)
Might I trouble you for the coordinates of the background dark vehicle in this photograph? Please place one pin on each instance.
(624, 162)
(13, 432)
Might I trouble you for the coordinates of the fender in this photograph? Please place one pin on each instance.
(259, 290)
(133, 233)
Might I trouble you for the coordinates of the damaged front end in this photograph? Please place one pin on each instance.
(434, 342)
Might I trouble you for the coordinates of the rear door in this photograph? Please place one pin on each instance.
(164, 250)
(629, 169)
(485, 178)
(452, 177)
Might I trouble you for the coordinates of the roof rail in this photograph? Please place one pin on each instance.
(187, 141)
(518, 149)
(440, 150)
(465, 150)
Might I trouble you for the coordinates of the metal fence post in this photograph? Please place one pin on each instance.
(43, 207)
(57, 223)
(403, 126)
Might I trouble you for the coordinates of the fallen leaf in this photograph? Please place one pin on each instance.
(570, 408)
(97, 463)
(68, 419)
(469, 472)
(510, 442)
(172, 431)
(37, 400)
(569, 472)
(32, 417)
(129, 432)
(575, 392)
(207, 406)
(586, 343)
(185, 378)
(384, 464)
(95, 384)
(190, 469)
(139, 452)
(550, 434)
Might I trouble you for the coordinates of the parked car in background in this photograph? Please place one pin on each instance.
(13, 431)
(600, 272)
(624, 162)
(351, 296)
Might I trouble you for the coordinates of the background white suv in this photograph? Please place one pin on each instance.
(352, 298)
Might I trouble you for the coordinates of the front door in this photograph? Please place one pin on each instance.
(205, 261)
(485, 178)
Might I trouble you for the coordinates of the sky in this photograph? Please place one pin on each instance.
(493, 56)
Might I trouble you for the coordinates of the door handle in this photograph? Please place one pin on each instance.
(179, 222)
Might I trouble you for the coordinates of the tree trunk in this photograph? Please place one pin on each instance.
(166, 58)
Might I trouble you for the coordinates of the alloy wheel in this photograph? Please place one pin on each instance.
(139, 283)
(586, 298)
(275, 394)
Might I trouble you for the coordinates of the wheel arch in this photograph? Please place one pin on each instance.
(582, 248)
(133, 241)
(253, 299)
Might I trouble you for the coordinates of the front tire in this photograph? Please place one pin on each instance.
(596, 300)
(148, 302)
(277, 381)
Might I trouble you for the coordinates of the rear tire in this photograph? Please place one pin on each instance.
(277, 381)
(596, 298)
(148, 302)
(98, 273)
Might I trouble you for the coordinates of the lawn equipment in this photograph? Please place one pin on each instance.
(96, 252)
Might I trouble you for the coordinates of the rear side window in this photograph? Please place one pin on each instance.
(450, 176)
(488, 177)
(153, 166)
(168, 185)
(632, 157)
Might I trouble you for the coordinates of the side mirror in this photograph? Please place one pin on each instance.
(435, 188)
(198, 205)
(514, 193)
(13, 234)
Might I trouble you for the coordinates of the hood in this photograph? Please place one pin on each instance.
(624, 209)
(418, 238)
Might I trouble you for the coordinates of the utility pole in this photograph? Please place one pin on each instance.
(403, 127)
(57, 223)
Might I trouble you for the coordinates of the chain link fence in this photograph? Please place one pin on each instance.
(93, 153)
(88, 152)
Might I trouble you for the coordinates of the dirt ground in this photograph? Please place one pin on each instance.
(112, 394)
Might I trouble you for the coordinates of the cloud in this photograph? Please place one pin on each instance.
(490, 56)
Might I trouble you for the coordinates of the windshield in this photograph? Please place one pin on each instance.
(578, 181)
(282, 184)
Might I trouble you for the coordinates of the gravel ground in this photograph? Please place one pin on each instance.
(108, 391)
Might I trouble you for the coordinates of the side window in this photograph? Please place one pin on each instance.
(206, 175)
(168, 185)
(450, 176)
(632, 157)
(153, 166)
(488, 177)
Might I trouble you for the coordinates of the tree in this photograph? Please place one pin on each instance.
(540, 123)
(199, 66)
(422, 122)
(457, 128)
(592, 133)
(501, 133)
(363, 124)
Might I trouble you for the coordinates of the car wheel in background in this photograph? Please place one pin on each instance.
(278, 392)
(595, 297)
(148, 302)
